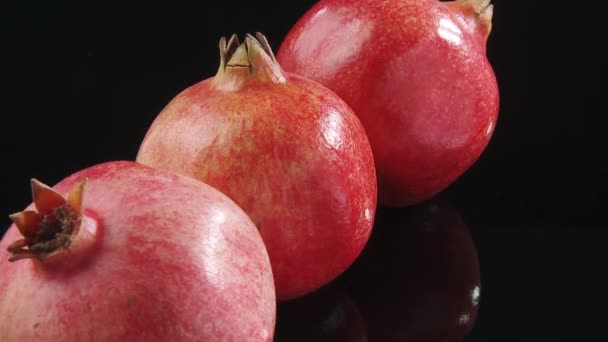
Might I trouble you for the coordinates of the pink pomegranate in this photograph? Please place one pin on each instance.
(286, 149)
(416, 74)
(122, 252)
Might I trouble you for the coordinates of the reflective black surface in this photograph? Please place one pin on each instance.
(329, 314)
(417, 280)
(82, 82)
(420, 279)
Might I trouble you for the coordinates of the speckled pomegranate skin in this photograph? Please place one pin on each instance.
(173, 260)
(289, 152)
(416, 74)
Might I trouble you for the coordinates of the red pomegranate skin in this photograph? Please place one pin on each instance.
(288, 151)
(172, 259)
(416, 74)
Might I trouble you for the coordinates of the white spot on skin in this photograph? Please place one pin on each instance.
(449, 31)
(318, 14)
(475, 295)
(463, 319)
(213, 266)
(332, 129)
(265, 334)
(219, 217)
(368, 214)
(489, 128)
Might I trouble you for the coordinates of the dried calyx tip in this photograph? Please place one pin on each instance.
(50, 228)
(235, 54)
(228, 48)
(487, 13)
(476, 15)
(263, 42)
(479, 6)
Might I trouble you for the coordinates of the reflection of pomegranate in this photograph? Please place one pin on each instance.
(286, 149)
(136, 254)
(430, 284)
(327, 315)
(416, 74)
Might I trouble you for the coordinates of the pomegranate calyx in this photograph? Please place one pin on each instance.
(261, 40)
(239, 58)
(227, 50)
(52, 227)
(45, 198)
(475, 16)
(479, 6)
(250, 61)
(485, 17)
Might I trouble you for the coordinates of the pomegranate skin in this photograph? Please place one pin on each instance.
(288, 151)
(172, 259)
(416, 74)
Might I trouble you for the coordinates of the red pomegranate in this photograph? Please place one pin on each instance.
(135, 255)
(286, 149)
(416, 74)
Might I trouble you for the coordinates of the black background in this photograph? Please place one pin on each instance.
(81, 83)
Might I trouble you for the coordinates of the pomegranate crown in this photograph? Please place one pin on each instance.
(231, 55)
(475, 15)
(52, 226)
(250, 61)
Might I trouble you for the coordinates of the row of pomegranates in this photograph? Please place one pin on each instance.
(259, 184)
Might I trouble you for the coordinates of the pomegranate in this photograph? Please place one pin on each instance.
(430, 288)
(135, 255)
(286, 149)
(416, 74)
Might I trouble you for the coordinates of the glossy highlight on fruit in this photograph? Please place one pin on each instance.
(286, 149)
(122, 252)
(416, 74)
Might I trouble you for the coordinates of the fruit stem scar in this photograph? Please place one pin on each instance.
(52, 227)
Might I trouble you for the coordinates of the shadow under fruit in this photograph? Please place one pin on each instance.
(418, 279)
